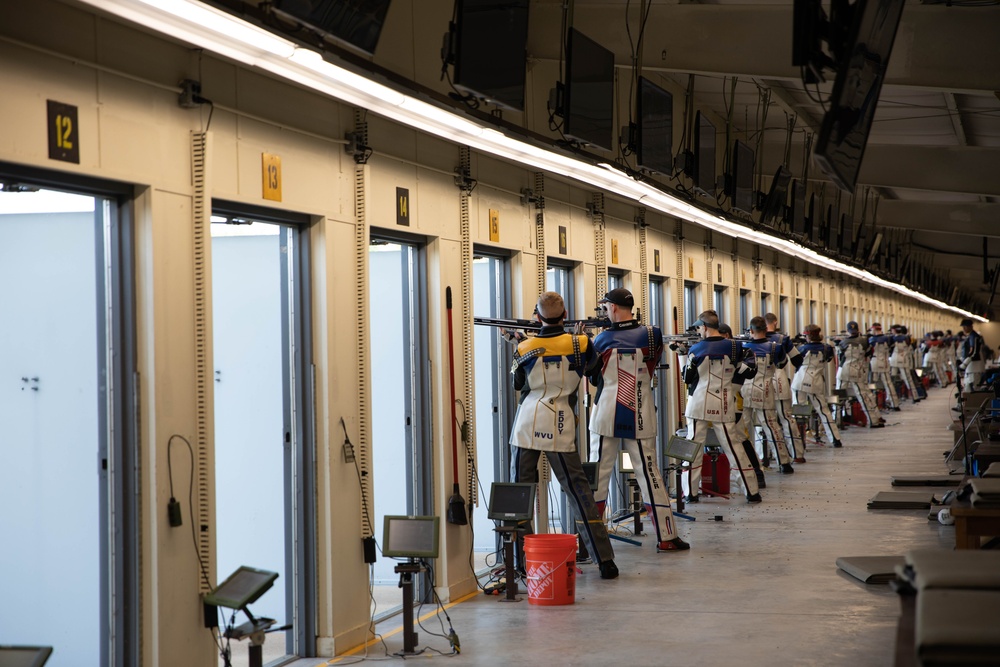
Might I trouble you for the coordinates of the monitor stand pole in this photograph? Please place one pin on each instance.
(406, 572)
(509, 534)
(253, 630)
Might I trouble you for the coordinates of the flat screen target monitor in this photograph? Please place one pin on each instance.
(797, 215)
(512, 501)
(654, 143)
(24, 656)
(625, 464)
(410, 536)
(490, 53)
(354, 23)
(242, 587)
(704, 155)
(842, 137)
(814, 219)
(772, 210)
(742, 177)
(590, 91)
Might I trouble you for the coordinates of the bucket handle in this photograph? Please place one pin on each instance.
(553, 571)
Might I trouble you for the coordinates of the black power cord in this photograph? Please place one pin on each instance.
(173, 507)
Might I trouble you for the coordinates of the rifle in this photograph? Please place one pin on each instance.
(688, 338)
(692, 338)
(534, 325)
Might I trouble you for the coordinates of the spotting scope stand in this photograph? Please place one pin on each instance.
(406, 572)
(678, 485)
(509, 533)
(253, 630)
(964, 440)
(636, 514)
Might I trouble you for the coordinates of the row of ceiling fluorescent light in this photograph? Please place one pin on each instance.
(227, 35)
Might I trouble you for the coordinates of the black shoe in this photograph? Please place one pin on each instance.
(761, 482)
(676, 544)
(753, 499)
(896, 409)
(878, 426)
(692, 499)
(608, 570)
(786, 469)
(838, 443)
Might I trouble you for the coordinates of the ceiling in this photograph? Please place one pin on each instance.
(930, 176)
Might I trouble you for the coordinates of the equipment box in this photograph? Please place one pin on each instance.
(715, 472)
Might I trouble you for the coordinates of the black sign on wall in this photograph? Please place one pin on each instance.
(64, 132)
(403, 207)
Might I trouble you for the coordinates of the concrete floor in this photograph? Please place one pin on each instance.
(759, 587)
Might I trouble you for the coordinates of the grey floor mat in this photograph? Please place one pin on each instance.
(871, 569)
(926, 480)
(900, 500)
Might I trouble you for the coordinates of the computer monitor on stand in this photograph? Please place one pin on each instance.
(512, 506)
(24, 656)
(686, 451)
(626, 467)
(416, 539)
(242, 587)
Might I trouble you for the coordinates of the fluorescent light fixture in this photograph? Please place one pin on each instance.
(315, 62)
(227, 35)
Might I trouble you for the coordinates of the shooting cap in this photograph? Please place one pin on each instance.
(853, 326)
(966, 322)
(620, 297)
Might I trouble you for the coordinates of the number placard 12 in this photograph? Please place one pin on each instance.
(64, 132)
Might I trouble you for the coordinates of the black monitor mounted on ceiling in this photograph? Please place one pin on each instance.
(488, 44)
(860, 246)
(814, 219)
(772, 209)
(356, 24)
(843, 135)
(873, 251)
(831, 238)
(740, 181)
(811, 29)
(703, 171)
(797, 223)
(589, 92)
(846, 241)
(654, 128)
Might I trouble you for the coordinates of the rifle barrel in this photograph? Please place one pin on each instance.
(532, 325)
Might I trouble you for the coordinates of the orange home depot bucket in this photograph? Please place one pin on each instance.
(551, 568)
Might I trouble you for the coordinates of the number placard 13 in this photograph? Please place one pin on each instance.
(271, 176)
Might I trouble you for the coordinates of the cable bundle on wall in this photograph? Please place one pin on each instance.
(361, 232)
(202, 343)
(600, 252)
(640, 220)
(468, 431)
(541, 267)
